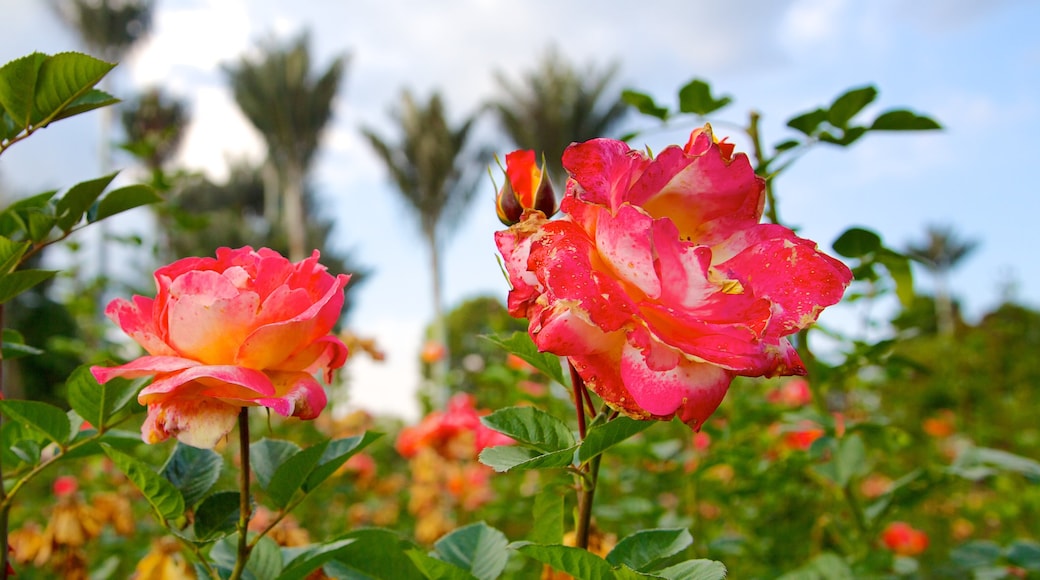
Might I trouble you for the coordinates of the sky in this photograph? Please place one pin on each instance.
(974, 65)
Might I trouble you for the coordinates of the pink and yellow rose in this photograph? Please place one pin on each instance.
(247, 328)
(659, 284)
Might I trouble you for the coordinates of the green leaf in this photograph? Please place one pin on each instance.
(602, 437)
(531, 427)
(898, 267)
(19, 281)
(78, 199)
(92, 99)
(976, 463)
(857, 242)
(826, 566)
(291, 475)
(217, 516)
(477, 548)
(14, 346)
(903, 120)
(644, 104)
(163, 497)
(300, 562)
(97, 403)
(786, 144)
(17, 87)
(193, 472)
(267, 455)
(520, 344)
(265, 561)
(975, 554)
(123, 199)
(62, 80)
(1025, 553)
(848, 136)
(335, 455)
(846, 106)
(374, 553)
(696, 98)
(641, 550)
(809, 122)
(547, 526)
(574, 561)
(849, 460)
(11, 253)
(694, 570)
(506, 457)
(435, 569)
(43, 418)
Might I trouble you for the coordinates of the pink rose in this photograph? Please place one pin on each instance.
(659, 284)
(244, 329)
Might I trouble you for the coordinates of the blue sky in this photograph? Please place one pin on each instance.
(972, 64)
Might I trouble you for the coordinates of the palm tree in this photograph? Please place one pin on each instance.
(436, 176)
(290, 107)
(940, 251)
(556, 104)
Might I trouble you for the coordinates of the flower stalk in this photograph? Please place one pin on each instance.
(244, 505)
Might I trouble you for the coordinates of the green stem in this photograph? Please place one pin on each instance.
(244, 505)
(585, 496)
(760, 166)
(4, 507)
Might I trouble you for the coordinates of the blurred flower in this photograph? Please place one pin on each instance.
(940, 425)
(287, 532)
(456, 432)
(701, 441)
(164, 562)
(527, 188)
(243, 329)
(903, 539)
(875, 485)
(65, 485)
(518, 364)
(793, 393)
(432, 352)
(659, 284)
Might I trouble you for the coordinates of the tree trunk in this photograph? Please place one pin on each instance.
(439, 368)
(295, 226)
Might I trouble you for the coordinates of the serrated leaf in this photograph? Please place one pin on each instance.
(193, 472)
(574, 561)
(14, 346)
(547, 526)
(124, 199)
(644, 104)
(62, 79)
(17, 87)
(846, 106)
(11, 253)
(97, 403)
(265, 561)
(507, 457)
(856, 243)
(696, 98)
(19, 281)
(374, 553)
(300, 562)
(78, 199)
(335, 455)
(92, 99)
(217, 516)
(808, 123)
(161, 495)
(531, 427)
(289, 477)
(267, 455)
(435, 569)
(43, 418)
(604, 436)
(477, 548)
(700, 569)
(641, 550)
(904, 120)
(520, 344)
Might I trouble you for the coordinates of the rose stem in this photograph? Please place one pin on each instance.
(244, 505)
(3, 492)
(590, 471)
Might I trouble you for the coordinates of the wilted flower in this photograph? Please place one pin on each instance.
(659, 284)
(904, 539)
(527, 187)
(246, 328)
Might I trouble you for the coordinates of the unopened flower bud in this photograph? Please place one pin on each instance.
(527, 187)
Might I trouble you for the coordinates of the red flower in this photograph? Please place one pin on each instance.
(904, 539)
(455, 432)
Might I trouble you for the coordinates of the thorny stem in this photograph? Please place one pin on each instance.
(244, 506)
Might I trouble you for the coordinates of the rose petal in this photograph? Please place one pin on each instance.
(297, 395)
(197, 422)
(223, 381)
(138, 321)
(142, 367)
(208, 317)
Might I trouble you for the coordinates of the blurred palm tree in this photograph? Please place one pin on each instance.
(290, 107)
(436, 175)
(556, 104)
(941, 250)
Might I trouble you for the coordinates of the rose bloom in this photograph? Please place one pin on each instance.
(659, 284)
(455, 433)
(247, 328)
(904, 539)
